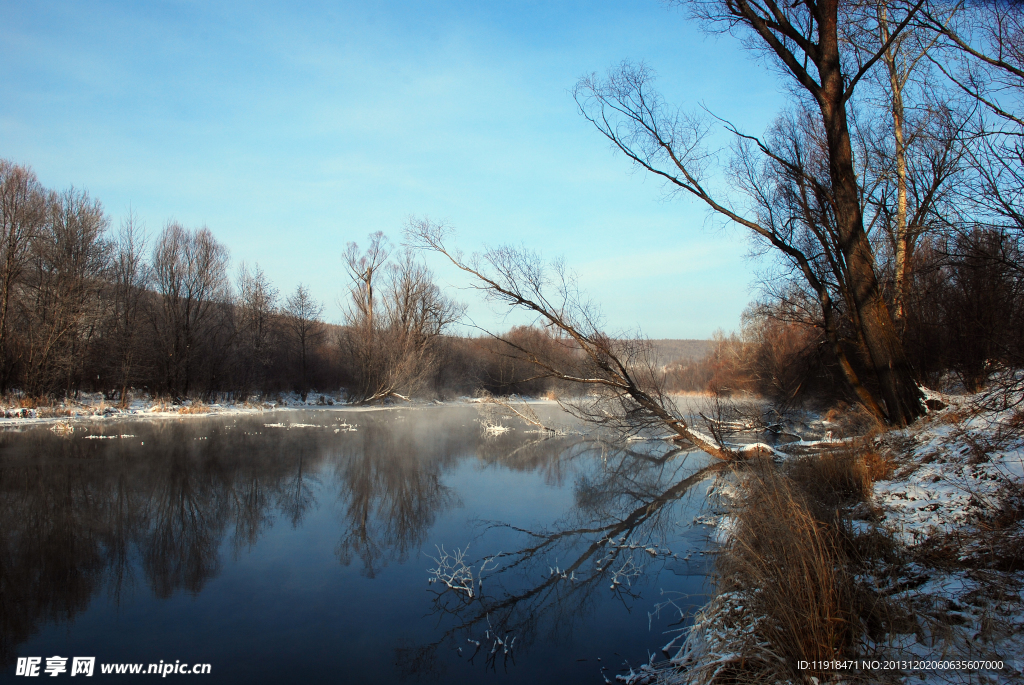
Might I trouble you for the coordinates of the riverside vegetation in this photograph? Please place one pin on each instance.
(885, 203)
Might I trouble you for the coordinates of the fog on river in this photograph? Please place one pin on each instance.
(297, 545)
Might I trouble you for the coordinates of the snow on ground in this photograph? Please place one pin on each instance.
(955, 503)
(957, 498)
(93, 407)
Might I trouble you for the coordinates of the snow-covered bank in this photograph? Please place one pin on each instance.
(940, 542)
(93, 407)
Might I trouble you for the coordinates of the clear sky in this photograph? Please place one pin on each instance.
(291, 129)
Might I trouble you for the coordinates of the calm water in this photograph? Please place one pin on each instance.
(295, 547)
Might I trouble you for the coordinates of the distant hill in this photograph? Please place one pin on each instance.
(668, 350)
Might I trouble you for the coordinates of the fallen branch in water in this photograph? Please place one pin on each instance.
(620, 374)
(527, 413)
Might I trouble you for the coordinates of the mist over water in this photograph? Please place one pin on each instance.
(295, 546)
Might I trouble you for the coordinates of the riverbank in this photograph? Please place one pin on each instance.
(16, 411)
(901, 556)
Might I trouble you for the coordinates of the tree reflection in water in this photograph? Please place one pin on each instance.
(155, 513)
(390, 484)
(78, 515)
(625, 519)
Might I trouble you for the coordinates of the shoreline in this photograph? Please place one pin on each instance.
(949, 513)
(96, 409)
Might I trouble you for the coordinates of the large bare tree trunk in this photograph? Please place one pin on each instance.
(884, 353)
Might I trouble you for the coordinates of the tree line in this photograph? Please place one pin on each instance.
(886, 195)
(86, 306)
(886, 198)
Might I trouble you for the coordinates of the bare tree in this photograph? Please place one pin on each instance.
(62, 308)
(984, 59)
(23, 214)
(190, 274)
(625, 388)
(395, 318)
(911, 143)
(802, 40)
(129, 278)
(257, 305)
(360, 339)
(982, 56)
(304, 326)
(364, 269)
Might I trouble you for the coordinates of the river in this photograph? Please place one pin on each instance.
(299, 546)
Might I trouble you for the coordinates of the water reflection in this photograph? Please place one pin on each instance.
(391, 493)
(78, 514)
(164, 507)
(626, 521)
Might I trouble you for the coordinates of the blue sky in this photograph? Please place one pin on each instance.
(291, 129)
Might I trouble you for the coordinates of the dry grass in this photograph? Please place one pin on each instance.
(832, 479)
(49, 412)
(15, 400)
(196, 407)
(262, 406)
(797, 566)
(795, 556)
(878, 466)
(161, 404)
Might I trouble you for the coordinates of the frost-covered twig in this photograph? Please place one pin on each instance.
(453, 571)
(493, 427)
(628, 572)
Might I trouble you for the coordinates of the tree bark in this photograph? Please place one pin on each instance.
(884, 355)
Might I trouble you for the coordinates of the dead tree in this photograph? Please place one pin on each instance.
(624, 389)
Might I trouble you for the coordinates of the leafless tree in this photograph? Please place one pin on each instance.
(395, 318)
(364, 269)
(911, 142)
(23, 213)
(802, 41)
(190, 274)
(61, 309)
(624, 388)
(417, 314)
(129, 278)
(257, 307)
(360, 339)
(304, 326)
(982, 56)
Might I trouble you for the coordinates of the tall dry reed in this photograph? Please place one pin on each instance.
(795, 568)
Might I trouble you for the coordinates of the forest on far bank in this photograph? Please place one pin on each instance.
(86, 306)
